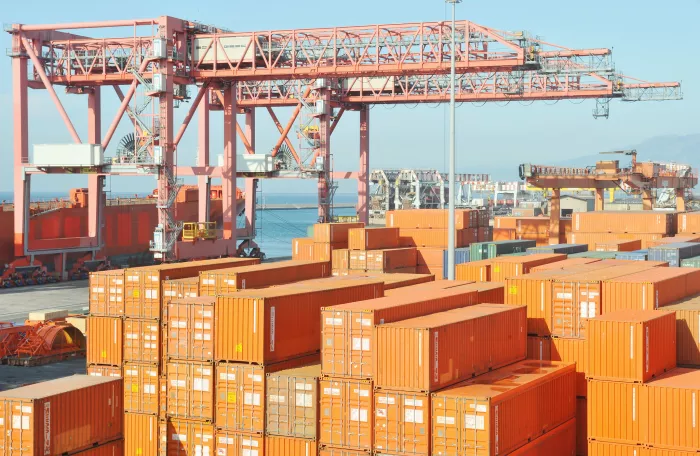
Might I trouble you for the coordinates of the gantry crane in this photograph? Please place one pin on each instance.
(639, 177)
(322, 73)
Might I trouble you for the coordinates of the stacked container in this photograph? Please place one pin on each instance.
(674, 253)
(559, 248)
(687, 313)
(600, 227)
(487, 250)
(374, 250)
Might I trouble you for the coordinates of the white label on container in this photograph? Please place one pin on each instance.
(359, 415)
(381, 413)
(386, 400)
(479, 408)
(634, 404)
(413, 416)
(334, 321)
(303, 386)
(132, 278)
(26, 409)
(208, 282)
(200, 384)
(497, 428)
(366, 322)
(151, 294)
(591, 310)
(131, 373)
(644, 297)
(131, 336)
(646, 350)
(251, 399)
(179, 437)
(274, 399)
(331, 391)
(249, 452)
(563, 295)
(420, 349)
(242, 284)
(20, 422)
(226, 440)
(413, 402)
(361, 392)
(693, 409)
(249, 443)
(360, 343)
(206, 313)
(178, 383)
(436, 362)
(304, 400)
(473, 422)
(542, 297)
(230, 282)
(583, 309)
(182, 324)
(445, 420)
(229, 377)
(98, 290)
(169, 293)
(257, 378)
(631, 341)
(149, 389)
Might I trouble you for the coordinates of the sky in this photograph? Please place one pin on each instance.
(648, 42)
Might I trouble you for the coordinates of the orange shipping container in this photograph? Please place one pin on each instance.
(492, 414)
(434, 270)
(373, 238)
(105, 340)
(648, 290)
(179, 437)
(506, 267)
(104, 371)
(106, 293)
(620, 449)
(619, 245)
(323, 251)
(623, 222)
(687, 331)
(141, 434)
(237, 444)
(667, 452)
(329, 451)
(190, 390)
(340, 259)
(505, 222)
(225, 281)
(560, 441)
(397, 281)
(141, 341)
(573, 351)
(115, 448)
(436, 238)
(391, 259)
(670, 404)
(303, 249)
(141, 389)
(60, 416)
(477, 271)
(180, 288)
(456, 344)
(593, 238)
(632, 346)
(615, 412)
(348, 330)
(292, 402)
(358, 260)
(347, 413)
(675, 239)
(247, 329)
(190, 329)
(539, 348)
(431, 218)
(429, 256)
(504, 234)
(401, 423)
(334, 232)
(581, 426)
(289, 446)
(564, 264)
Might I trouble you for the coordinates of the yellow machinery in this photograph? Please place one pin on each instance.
(195, 231)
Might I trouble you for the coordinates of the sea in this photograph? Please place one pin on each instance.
(275, 228)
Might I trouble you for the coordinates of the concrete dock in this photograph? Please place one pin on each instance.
(16, 303)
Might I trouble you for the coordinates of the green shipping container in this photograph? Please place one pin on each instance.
(693, 262)
(488, 250)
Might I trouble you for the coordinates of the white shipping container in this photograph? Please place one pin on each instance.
(231, 49)
(251, 163)
(370, 84)
(62, 155)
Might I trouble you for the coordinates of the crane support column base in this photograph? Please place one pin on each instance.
(600, 199)
(680, 199)
(647, 200)
(554, 216)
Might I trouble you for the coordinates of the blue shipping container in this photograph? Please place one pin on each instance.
(636, 255)
(674, 253)
(461, 256)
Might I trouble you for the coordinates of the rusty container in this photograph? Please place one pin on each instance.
(142, 342)
(539, 348)
(476, 271)
(373, 238)
(303, 249)
(560, 441)
(347, 413)
(323, 251)
(573, 350)
(141, 389)
(581, 426)
(429, 256)
(632, 346)
(687, 330)
(340, 259)
(348, 330)
(492, 414)
(670, 404)
(190, 390)
(189, 325)
(180, 437)
(623, 222)
(240, 393)
(358, 260)
(180, 288)
(334, 232)
(615, 412)
(247, 329)
(115, 448)
(104, 371)
(231, 443)
(564, 264)
(105, 340)
(431, 218)
(289, 446)
(292, 401)
(61, 416)
(391, 259)
(620, 245)
(143, 286)
(596, 448)
(224, 281)
(401, 422)
(651, 289)
(506, 267)
(106, 293)
(141, 434)
(444, 348)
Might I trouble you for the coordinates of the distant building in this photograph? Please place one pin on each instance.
(575, 203)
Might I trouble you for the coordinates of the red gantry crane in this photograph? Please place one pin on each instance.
(322, 73)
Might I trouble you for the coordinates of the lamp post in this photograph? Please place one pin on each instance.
(451, 211)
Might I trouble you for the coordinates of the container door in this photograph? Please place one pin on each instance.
(564, 309)
(334, 349)
(361, 326)
(445, 424)
(475, 427)
(589, 303)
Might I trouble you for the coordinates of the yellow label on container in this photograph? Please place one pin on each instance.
(139, 450)
(239, 348)
(103, 353)
(231, 398)
(513, 290)
(496, 269)
(134, 387)
(136, 293)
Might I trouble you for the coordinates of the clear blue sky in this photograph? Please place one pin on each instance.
(649, 42)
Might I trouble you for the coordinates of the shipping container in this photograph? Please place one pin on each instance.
(247, 329)
(292, 401)
(596, 448)
(105, 340)
(532, 227)
(436, 238)
(597, 255)
(688, 223)
(687, 314)
(619, 245)
(559, 248)
(487, 250)
(224, 281)
(615, 412)
(433, 256)
(60, 416)
(564, 264)
(636, 255)
(391, 259)
(396, 281)
(581, 426)
(141, 388)
(330, 451)
(141, 434)
(142, 342)
(323, 251)
(462, 255)
(347, 413)
(632, 346)
(373, 238)
(561, 442)
(675, 239)
(435, 271)
(506, 267)
(436, 219)
(358, 260)
(180, 288)
(693, 262)
(184, 438)
(504, 234)
(498, 405)
(334, 232)
(456, 344)
(229, 443)
(340, 259)
(573, 351)
(539, 348)
(142, 289)
(592, 239)
(240, 393)
(115, 448)
(348, 330)
(106, 293)
(401, 423)
(476, 271)
(288, 446)
(670, 404)
(623, 222)
(303, 249)
(650, 289)
(190, 390)
(674, 253)
(485, 234)
(189, 325)
(104, 371)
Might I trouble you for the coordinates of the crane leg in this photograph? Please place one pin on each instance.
(647, 200)
(680, 200)
(554, 216)
(599, 198)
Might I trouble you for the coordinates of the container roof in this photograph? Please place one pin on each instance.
(656, 275)
(678, 378)
(453, 316)
(54, 387)
(632, 316)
